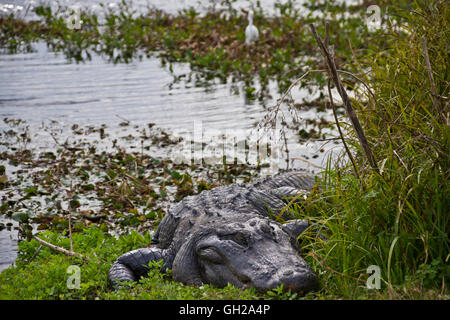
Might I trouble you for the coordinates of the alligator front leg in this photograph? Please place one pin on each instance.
(135, 264)
(275, 200)
(290, 194)
(294, 228)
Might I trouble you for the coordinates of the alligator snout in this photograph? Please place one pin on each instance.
(300, 281)
(297, 277)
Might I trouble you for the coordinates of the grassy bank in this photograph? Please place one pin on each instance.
(395, 219)
(45, 275)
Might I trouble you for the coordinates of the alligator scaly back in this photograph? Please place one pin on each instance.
(224, 235)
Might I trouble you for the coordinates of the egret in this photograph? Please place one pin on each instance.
(251, 32)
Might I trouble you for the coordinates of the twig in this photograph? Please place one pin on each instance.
(277, 106)
(56, 248)
(355, 168)
(26, 12)
(57, 142)
(347, 104)
(35, 254)
(308, 162)
(70, 194)
(333, 106)
(70, 231)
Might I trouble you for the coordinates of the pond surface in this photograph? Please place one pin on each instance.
(8, 244)
(170, 6)
(43, 87)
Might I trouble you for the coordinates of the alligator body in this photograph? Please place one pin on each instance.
(224, 235)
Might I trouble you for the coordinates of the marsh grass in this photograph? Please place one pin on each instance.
(398, 219)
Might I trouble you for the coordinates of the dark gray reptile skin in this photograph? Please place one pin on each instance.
(224, 235)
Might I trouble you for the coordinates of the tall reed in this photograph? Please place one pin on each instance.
(397, 219)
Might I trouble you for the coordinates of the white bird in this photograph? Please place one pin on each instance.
(251, 32)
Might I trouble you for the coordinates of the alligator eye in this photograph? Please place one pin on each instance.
(238, 238)
(210, 254)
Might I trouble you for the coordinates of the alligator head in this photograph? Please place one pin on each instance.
(250, 253)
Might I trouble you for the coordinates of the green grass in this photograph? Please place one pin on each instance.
(46, 275)
(396, 219)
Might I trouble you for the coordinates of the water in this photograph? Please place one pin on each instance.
(23, 8)
(170, 6)
(43, 86)
(8, 243)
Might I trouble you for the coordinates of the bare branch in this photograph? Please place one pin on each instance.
(56, 248)
(355, 168)
(347, 104)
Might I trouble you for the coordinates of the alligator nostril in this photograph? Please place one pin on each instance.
(300, 281)
(265, 228)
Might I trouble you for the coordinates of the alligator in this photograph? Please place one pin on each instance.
(225, 236)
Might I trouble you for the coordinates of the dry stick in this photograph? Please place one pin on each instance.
(333, 106)
(347, 104)
(355, 168)
(70, 220)
(56, 248)
(310, 163)
(35, 254)
(70, 231)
